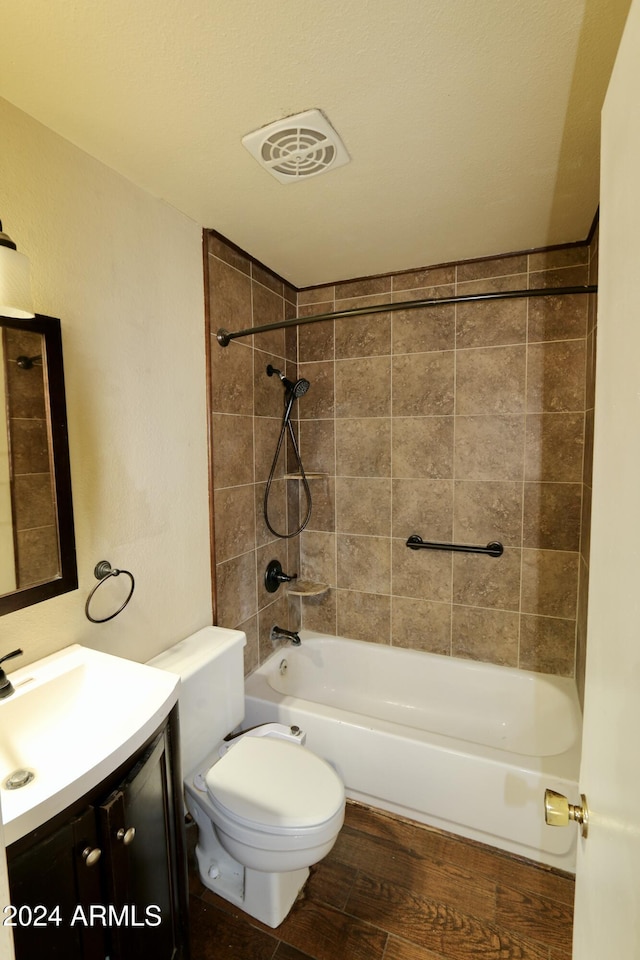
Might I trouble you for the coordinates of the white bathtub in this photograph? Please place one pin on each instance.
(467, 747)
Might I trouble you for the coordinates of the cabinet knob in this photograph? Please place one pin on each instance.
(91, 855)
(126, 835)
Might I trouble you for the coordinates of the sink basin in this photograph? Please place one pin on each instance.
(74, 718)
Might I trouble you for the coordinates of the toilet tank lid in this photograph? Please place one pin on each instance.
(188, 656)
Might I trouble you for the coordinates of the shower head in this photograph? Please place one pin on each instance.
(297, 389)
(300, 387)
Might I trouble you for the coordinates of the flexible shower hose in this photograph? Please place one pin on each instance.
(286, 423)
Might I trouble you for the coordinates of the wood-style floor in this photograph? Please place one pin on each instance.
(394, 890)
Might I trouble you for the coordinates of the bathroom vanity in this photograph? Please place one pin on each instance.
(91, 789)
(106, 877)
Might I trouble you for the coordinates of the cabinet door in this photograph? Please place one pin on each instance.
(140, 870)
(52, 886)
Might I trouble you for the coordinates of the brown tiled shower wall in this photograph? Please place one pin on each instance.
(32, 494)
(458, 423)
(585, 526)
(246, 413)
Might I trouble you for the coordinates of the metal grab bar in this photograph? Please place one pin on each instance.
(492, 549)
(224, 337)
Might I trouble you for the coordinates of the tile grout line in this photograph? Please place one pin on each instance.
(524, 472)
(392, 611)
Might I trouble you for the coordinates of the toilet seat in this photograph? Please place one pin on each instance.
(275, 786)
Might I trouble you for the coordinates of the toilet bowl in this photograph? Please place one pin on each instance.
(268, 811)
(266, 807)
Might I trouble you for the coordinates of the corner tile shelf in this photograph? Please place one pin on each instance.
(309, 476)
(307, 588)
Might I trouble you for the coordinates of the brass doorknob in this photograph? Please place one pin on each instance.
(558, 811)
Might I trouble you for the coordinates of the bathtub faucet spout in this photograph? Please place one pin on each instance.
(279, 633)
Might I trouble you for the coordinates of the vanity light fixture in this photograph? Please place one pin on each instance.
(15, 284)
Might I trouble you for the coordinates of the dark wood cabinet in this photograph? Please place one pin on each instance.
(138, 875)
(108, 878)
(49, 881)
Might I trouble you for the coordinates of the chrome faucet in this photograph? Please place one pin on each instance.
(279, 633)
(6, 687)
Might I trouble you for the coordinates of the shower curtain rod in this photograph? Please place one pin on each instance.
(224, 338)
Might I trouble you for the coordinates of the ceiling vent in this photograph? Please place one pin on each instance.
(297, 147)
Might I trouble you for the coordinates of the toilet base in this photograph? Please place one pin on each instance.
(266, 896)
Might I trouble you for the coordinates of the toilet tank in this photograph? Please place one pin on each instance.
(210, 664)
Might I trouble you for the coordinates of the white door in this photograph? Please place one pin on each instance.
(607, 914)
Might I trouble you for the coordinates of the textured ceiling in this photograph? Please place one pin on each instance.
(473, 127)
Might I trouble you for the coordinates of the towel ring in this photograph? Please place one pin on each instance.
(102, 572)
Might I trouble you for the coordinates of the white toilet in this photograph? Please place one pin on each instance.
(266, 807)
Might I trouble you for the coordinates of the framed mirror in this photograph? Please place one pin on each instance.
(37, 540)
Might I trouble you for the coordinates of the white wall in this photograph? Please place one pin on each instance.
(123, 271)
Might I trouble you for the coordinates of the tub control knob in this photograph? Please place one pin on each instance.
(275, 575)
(558, 811)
